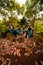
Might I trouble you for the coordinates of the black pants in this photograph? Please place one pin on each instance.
(4, 33)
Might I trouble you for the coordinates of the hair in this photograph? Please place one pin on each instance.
(11, 25)
(19, 28)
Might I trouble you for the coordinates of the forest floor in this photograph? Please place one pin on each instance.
(20, 51)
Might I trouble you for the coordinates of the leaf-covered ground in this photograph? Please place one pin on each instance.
(20, 51)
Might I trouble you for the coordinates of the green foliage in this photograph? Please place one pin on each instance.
(4, 25)
(34, 2)
(29, 7)
(3, 28)
(6, 4)
(12, 5)
(38, 25)
(20, 8)
(41, 2)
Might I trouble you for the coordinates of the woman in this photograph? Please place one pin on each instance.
(29, 32)
(12, 30)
